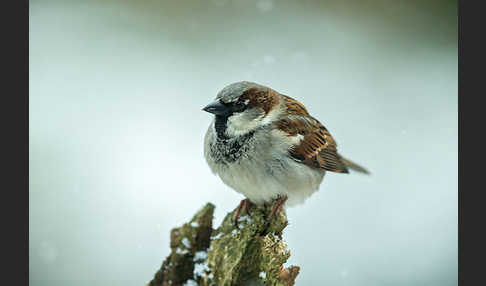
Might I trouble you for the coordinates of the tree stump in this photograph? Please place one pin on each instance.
(249, 252)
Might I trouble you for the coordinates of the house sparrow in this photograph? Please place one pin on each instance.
(266, 146)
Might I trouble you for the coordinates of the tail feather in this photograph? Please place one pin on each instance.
(353, 166)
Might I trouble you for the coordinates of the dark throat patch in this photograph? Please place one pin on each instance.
(220, 126)
(228, 149)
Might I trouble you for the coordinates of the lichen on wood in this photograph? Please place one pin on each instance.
(189, 244)
(248, 252)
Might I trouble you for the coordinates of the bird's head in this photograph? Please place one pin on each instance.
(242, 107)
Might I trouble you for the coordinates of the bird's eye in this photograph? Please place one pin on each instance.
(239, 106)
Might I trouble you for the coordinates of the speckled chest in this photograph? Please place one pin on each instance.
(224, 150)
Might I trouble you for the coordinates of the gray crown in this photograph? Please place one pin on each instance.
(233, 91)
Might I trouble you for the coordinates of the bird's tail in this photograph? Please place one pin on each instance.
(353, 166)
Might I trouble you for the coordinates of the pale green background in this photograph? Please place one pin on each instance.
(116, 130)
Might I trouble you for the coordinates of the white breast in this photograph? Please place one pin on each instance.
(267, 171)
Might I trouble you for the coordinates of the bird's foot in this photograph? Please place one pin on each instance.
(277, 207)
(242, 207)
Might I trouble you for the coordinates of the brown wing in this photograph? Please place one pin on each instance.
(294, 107)
(317, 149)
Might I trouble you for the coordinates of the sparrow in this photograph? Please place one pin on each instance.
(266, 146)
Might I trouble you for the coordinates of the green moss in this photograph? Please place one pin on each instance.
(253, 251)
(250, 252)
(185, 241)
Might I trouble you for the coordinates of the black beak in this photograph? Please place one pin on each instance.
(217, 108)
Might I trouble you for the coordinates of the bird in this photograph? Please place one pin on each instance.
(266, 146)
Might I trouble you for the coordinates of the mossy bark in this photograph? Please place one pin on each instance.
(250, 252)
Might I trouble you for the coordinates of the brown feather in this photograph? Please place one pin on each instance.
(294, 107)
(264, 98)
(317, 149)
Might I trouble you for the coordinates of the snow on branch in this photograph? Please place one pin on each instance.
(250, 252)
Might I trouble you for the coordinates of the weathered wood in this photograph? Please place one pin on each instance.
(250, 252)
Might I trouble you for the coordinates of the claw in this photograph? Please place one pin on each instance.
(243, 206)
(277, 207)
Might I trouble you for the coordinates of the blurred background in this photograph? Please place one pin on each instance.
(116, 132)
